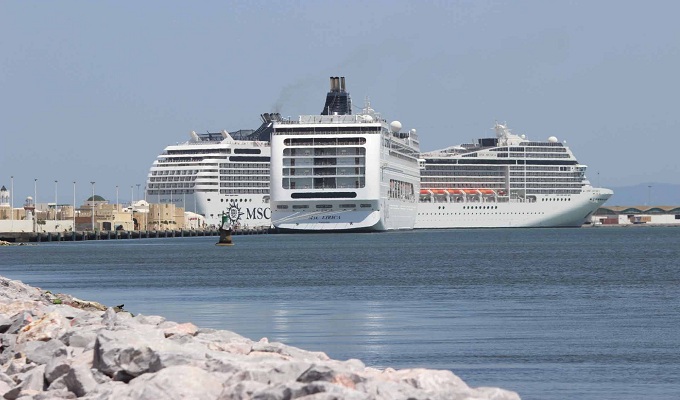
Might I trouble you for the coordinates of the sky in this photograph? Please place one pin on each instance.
(93, 91)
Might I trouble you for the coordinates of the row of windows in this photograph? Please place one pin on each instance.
(532, 155)
(264, 166)
(199, 151)
(340, 141)
(358, 161)
(455, 167)
(182, 172)
(491, 161)
(532, 148)
(324, 152)
(245, 184)
(485, 213)
(322, 206)
(401, 190)
(289, 172)
(230, 172)
(176, 161)
(151, 192)
(244, 191)
(323, 183)
(463, 179)
(170, 185)
(244, 178)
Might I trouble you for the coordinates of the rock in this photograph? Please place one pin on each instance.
(181, 329)
(45, 351)
(242, 390)
(49, 326)
(82, 338)
(83, 349)
(288, 352)
(149, 319)
(55, 368)
(61, 394)
(33, 379)
(19, 321)
(122, 354)
(176, 382)
(5, 323)
(80, 380)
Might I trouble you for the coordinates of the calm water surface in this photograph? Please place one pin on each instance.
(550, 313)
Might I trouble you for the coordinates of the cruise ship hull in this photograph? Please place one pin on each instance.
(392, 215)
(546, 211)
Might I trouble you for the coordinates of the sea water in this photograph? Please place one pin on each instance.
(591, 313)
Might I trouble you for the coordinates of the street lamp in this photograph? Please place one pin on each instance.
(55, 200)
(35, 205)
(138, 191)
(74, 211)
(92, 206)
(117, 198)
(132, 205)
(11, 192)
(649, 195)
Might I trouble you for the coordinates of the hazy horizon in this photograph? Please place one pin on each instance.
(93, 91)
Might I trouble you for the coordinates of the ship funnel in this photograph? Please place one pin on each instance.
(338, 101)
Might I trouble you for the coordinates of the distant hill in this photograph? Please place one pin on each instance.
(660, 194)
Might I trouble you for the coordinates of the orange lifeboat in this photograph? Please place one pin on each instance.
(424, 191)
(454, 191)
(439, 191)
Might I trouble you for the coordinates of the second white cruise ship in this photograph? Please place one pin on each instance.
(216, 173)
(343, 172)
(506, 181)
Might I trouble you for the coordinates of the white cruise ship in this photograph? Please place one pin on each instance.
(216, 173)
(343, 172)
(505, 181)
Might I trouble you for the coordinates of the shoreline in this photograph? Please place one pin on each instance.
(59, 347)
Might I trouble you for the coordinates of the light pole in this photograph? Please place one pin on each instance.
(92, 206)
(35, 205)
(116, 198)
(649, 195)
(132, 205)
(74, 211)
(55, 200)
(138, 191)
(11, 192)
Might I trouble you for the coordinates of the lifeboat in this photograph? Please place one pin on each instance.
(424, 192)
(439, 191)
(471, 191)
(454, 191)
(487, 191)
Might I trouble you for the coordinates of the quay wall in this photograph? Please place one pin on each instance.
(26, 237)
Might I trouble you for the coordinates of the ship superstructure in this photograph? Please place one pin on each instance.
(505, 181)
(340, 171)
(216, 173)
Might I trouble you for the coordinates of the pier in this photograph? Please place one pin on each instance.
(37, 237)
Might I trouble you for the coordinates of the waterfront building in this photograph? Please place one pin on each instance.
(637, 215)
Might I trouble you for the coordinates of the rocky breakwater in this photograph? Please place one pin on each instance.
(60, 347)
